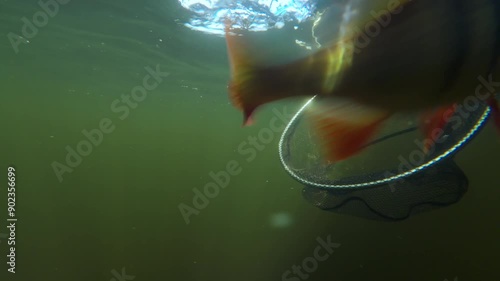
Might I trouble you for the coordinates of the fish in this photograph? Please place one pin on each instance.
(426, 57)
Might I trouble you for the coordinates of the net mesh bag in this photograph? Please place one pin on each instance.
(392, 178)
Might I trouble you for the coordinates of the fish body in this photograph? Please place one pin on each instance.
(432, 54)
(415, 56)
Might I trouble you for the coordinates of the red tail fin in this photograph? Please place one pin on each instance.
(240, 92)
(254, 84)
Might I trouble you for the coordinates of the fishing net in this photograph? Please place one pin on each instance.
(392, 178)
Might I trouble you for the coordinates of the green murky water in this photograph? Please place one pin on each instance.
(113, 213)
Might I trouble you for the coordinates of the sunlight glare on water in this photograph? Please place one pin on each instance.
(208, 15)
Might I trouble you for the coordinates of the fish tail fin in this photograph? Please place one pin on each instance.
(241, 93)
(253, 83)
(344, 129)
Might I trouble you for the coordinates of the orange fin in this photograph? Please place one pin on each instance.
(236, 50)
(253, 83)
(344, 127)
(433, 122)
(241, 75)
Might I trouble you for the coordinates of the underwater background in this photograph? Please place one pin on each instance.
(115, 213)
